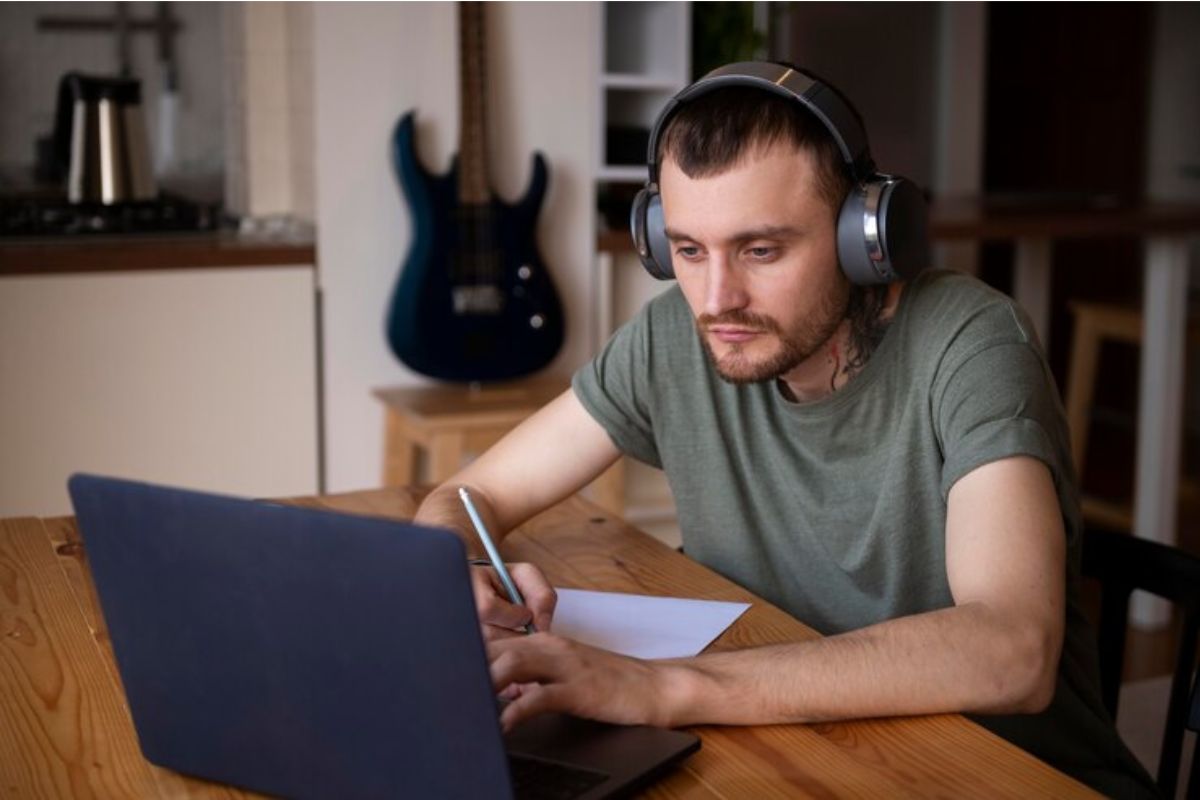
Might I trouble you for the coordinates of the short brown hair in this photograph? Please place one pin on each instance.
(713, 132)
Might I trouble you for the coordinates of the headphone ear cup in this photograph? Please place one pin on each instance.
(904, 228)
(896, 230)
(851, 240)
(649, 234)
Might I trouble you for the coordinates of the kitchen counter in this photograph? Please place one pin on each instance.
(135, 252)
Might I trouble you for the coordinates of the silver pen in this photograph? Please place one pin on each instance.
(493, 553)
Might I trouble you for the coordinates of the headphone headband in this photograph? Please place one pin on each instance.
(824, 103)
(881, 224)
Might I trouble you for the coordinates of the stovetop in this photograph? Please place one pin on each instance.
(41, 216)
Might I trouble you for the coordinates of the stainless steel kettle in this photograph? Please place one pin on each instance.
(100, 140)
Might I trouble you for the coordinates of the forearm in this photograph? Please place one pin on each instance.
(546, 458)
(444, 509)
(967, 658)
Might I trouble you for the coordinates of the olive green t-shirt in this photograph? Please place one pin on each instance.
(835, 509)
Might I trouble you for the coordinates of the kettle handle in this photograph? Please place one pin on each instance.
(68, 92)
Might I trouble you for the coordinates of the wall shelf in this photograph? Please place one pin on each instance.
(645, 58)
(651, 83)
(621, 174)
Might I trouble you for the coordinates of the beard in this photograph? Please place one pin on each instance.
(793, 345)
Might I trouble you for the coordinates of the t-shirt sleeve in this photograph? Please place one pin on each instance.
(998, 402)
(615, 389)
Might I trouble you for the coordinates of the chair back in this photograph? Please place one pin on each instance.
(1123, 563)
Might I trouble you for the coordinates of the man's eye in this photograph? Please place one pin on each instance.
(687, 251)
(761, 253)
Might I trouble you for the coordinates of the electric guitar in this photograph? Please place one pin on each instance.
(474, 301)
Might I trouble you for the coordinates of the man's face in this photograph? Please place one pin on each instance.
(755, 253)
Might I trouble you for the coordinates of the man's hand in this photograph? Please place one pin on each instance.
(526, 472)
(499, 616)
(543, 672)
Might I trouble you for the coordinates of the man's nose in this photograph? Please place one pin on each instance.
(724, 290)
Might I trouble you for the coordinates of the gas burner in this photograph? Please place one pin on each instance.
(42, 217)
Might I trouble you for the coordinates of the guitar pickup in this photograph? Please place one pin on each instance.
(480, 299)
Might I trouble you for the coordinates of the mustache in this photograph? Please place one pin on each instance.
(740, 318)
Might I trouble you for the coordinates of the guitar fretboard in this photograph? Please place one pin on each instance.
(472, 175)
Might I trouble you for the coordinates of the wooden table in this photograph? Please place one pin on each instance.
(66, 730)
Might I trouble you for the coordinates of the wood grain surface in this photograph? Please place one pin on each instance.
(66, 729)
(212, 250)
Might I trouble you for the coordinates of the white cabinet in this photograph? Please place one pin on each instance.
(645, 59)
(645, 55)
(204, 378)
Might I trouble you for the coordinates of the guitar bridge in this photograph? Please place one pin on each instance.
(481, 299)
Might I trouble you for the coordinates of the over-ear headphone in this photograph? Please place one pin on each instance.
(882, 231)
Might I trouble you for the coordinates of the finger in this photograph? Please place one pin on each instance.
(537, 699)
(514, 690)
(493, 608)
(538, 593)
(541, 642)
(524, 659)
(492, 633)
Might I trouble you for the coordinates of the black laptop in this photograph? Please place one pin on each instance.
(307, 653)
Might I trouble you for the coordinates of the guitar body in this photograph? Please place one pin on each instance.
(474, 301)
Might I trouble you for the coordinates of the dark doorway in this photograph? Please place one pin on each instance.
(1068, 89)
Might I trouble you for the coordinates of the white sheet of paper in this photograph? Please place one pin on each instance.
(642, 626)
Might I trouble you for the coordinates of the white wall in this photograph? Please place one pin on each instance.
(371, 64)
(958, 130)
(1173, 139)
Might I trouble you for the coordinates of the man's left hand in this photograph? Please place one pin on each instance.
(543, 672)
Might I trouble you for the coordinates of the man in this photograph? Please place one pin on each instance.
(889, 464)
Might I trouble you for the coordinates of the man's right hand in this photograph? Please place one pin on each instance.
(499, 617)
(524, 473)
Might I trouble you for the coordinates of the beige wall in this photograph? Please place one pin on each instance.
(372, 62)
(269, 109)
(199, 378)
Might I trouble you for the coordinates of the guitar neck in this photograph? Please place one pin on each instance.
(472, 174)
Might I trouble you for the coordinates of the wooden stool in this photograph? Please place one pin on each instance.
(1094, 324)
(450, 422)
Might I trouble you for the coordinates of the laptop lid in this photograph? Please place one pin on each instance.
(293, 651)
(310, 653)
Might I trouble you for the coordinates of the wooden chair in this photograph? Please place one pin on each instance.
(1123, 563)
(1096, 323)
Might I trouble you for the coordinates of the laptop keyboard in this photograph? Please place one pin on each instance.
(535, 779)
